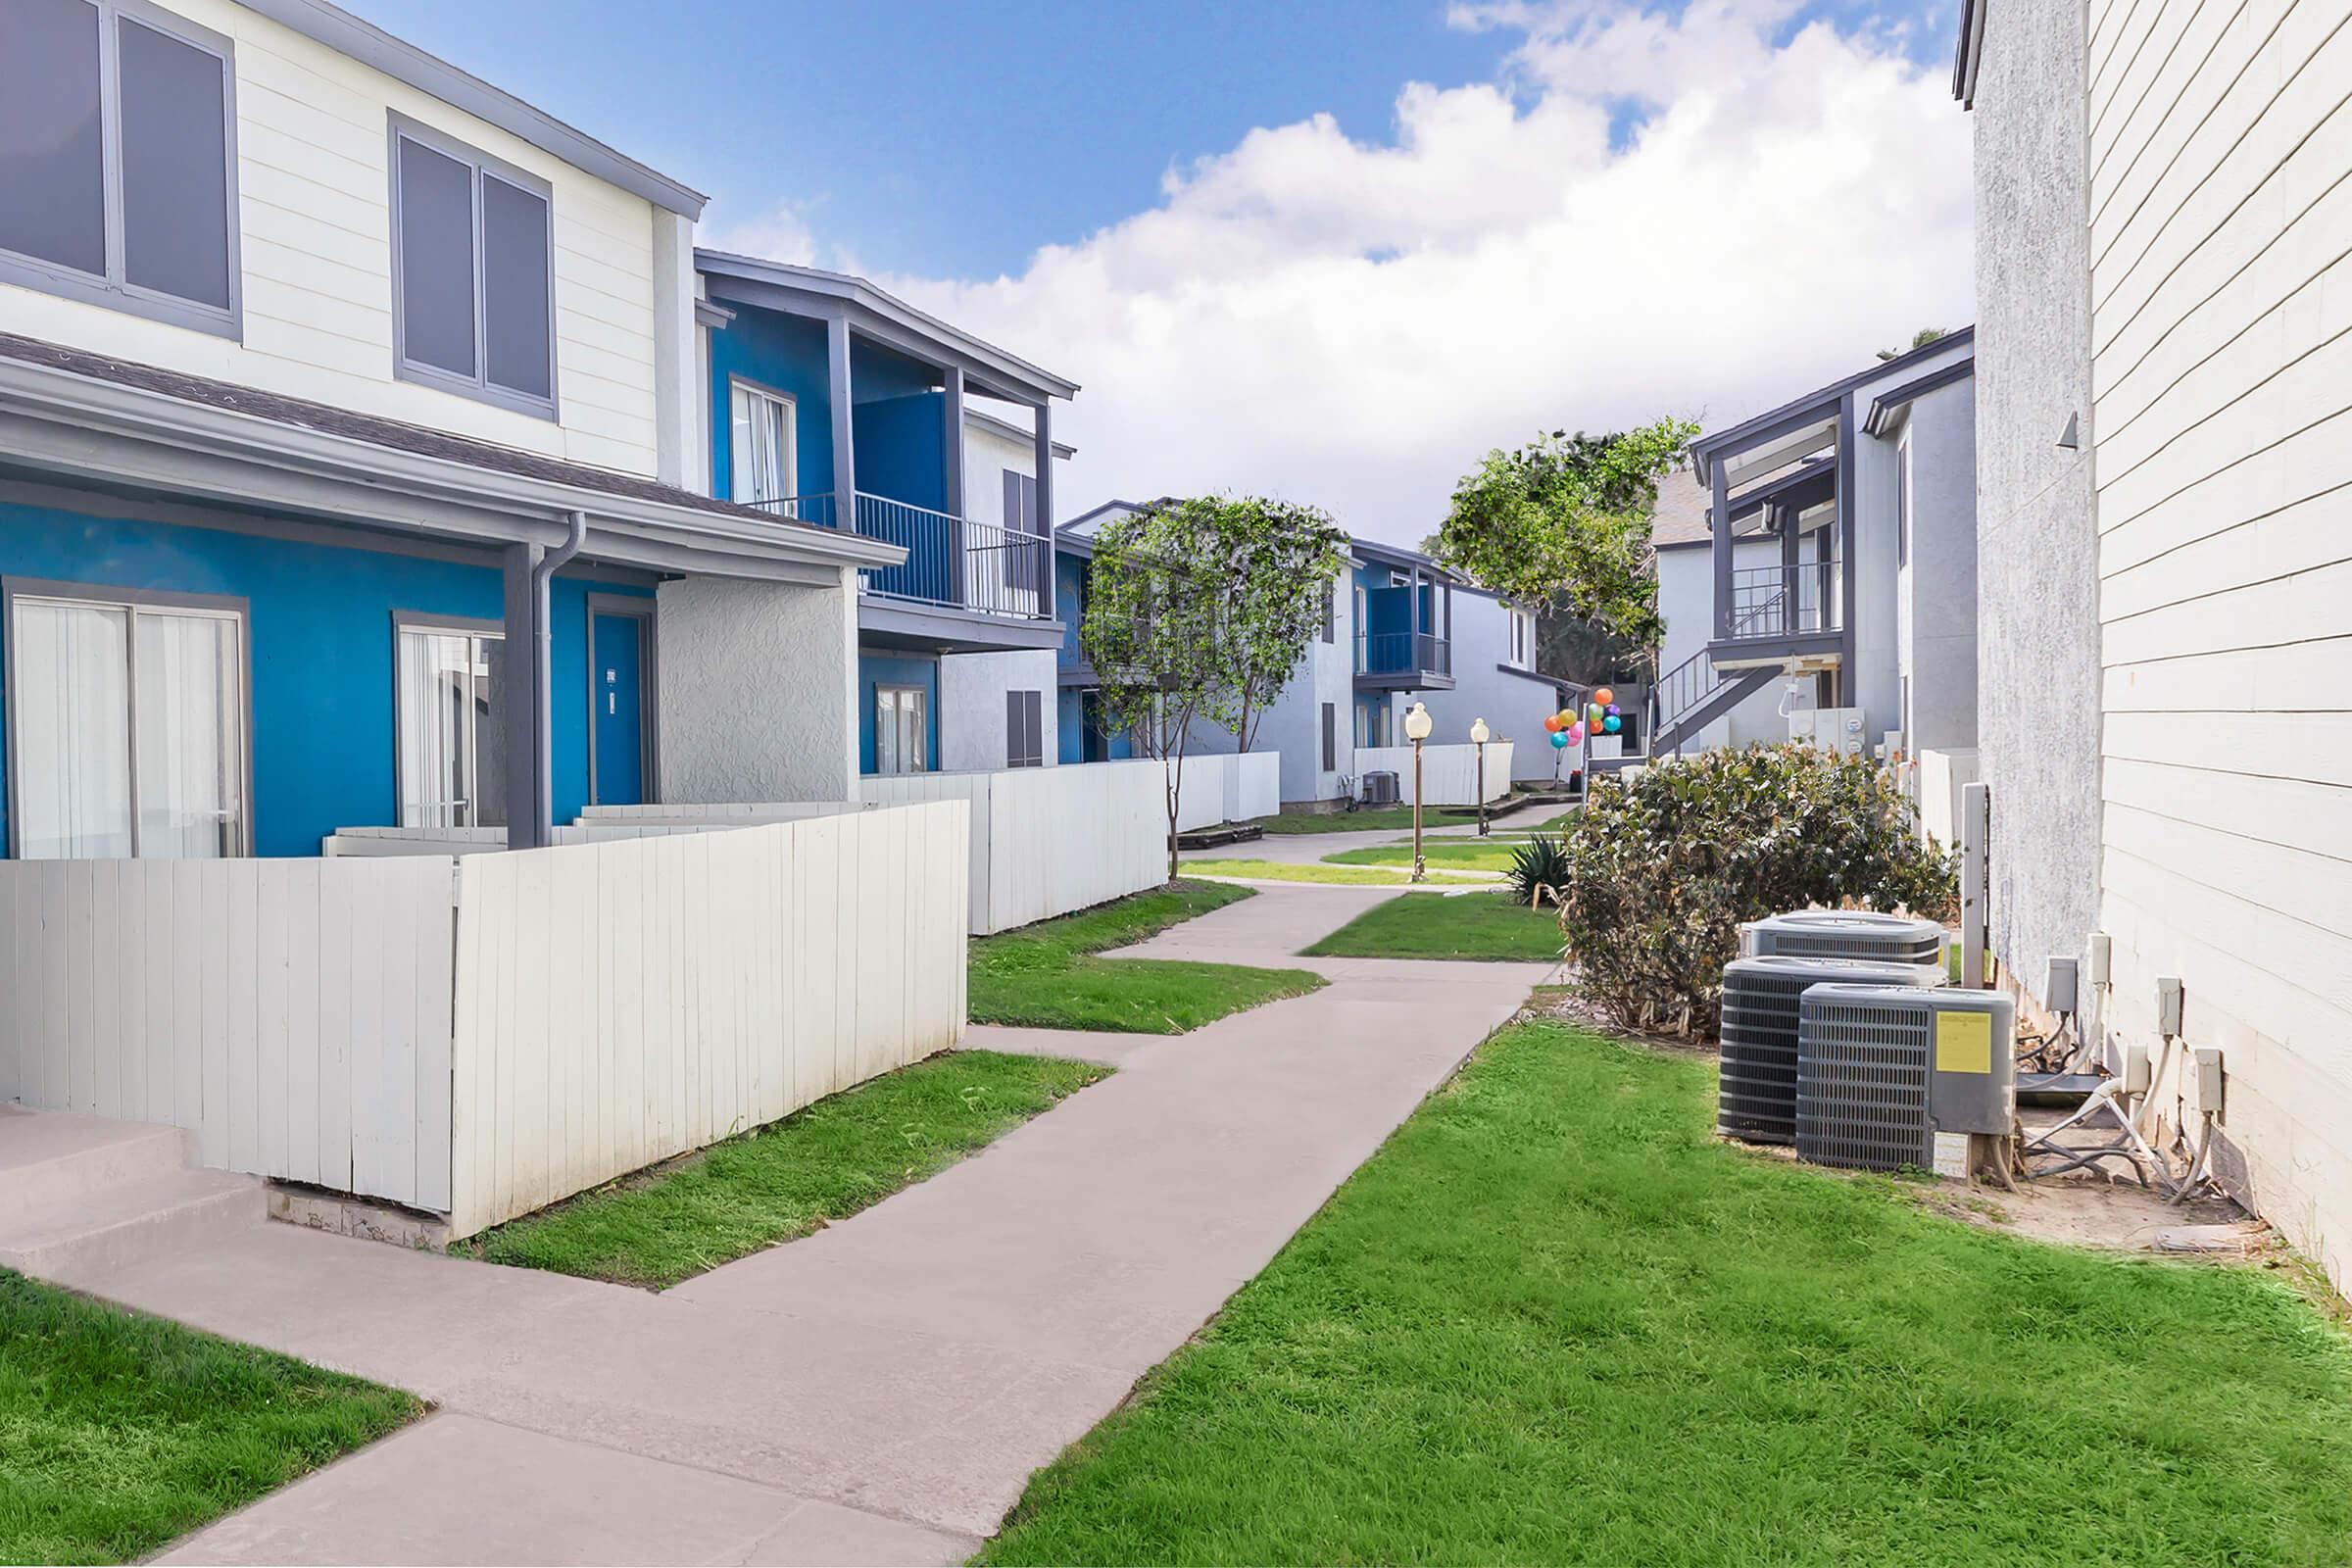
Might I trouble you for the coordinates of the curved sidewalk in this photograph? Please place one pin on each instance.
(880, 1390)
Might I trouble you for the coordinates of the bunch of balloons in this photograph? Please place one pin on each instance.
(1566, 730)
(1602, 715)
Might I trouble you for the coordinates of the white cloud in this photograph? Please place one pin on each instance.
(1355, 325)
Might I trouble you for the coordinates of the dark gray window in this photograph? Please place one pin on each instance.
(472, 272)
(1331, 738)
(1025, 566)
(1025, 729)
(1331, 609)
(118, 160)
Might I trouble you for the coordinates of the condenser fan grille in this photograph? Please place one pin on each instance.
(1862, 1086)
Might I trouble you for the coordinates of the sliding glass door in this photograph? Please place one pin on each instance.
(127, 727)
(452, 761)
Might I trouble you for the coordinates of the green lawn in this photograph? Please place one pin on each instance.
(1553, 1321)
(1046, 974)
(1326, 870)
(1459, 854)
(1472, 926)
(1372, 819)
(780, 1182)
(119, 1431)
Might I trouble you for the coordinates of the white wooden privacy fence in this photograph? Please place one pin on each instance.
(1228, 787)
(1050, 839)
(481, 1037)
(293, 1014)
(1449, 774)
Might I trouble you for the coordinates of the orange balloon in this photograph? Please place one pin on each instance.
(1604, 697)
(1552, 722)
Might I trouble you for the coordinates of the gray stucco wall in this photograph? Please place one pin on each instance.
(759, 684)
(1687, 602)
(2037, 655)
(973, 729)
(1940, 610)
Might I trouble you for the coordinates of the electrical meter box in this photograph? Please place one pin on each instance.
(1831, 729)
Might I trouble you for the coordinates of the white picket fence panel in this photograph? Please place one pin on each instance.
(1449, 774)
(293, 1014)
(618, 1003)
(1050, 839)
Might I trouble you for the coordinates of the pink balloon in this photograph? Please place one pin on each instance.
(1575, 733)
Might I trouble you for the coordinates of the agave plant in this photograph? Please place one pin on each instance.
(1539, 871)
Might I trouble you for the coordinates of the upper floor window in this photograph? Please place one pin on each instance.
(118, 160)
(473, 304)
(762, 450)
(1523, 639)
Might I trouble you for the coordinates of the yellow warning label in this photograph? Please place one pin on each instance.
(1964, 1042)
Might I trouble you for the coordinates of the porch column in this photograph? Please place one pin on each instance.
(951, 498)
(1044, 470)
(522, 716)
(1718, 528)
(845, 450)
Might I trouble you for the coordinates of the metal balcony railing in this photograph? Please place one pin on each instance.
(1787, 601)
(952, 562)
(1404, 653)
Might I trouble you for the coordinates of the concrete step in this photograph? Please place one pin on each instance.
(88, 1233)
(49, 1156)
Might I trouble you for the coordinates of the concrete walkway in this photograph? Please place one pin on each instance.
(879, 1392)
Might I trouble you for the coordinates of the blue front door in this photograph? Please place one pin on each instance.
(620, 719)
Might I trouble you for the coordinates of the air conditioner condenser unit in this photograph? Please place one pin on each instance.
(1863, 935)
(1895, 1078)
(1756, 1100)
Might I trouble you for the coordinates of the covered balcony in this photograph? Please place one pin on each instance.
(791, 351)
(1403, 622)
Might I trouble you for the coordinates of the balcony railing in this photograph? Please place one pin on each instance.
(1404, 653)
(1787, 601)
(952, 562)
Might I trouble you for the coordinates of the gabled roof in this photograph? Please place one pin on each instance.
(813, 291)
(402, 61)
(1397, 556)
(1964, 54)
(1681, 516)
(1798, 417)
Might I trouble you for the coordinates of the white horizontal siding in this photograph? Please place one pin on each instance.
(2222, 377)
(313, 134)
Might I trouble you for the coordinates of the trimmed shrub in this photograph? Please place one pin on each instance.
(1539, 871)
(1663, 871)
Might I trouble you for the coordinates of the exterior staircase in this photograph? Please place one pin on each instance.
(80, 1194)
(1694, 695)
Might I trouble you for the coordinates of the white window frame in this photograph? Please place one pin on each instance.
(922, 729)
(130, 601)
(744, 385)
(115, 290)
(477, 386)
(404, 624)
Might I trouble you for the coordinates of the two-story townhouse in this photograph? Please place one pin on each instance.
(2164, 259)
(836, 404)
(1839, 566)
(352, 454)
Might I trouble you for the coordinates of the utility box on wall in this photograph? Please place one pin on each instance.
(1831, 729)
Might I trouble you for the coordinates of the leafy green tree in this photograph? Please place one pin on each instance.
(1274, 565)
(1564, 522)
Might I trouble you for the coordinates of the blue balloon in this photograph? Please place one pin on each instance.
(1612, 724)
(1559, 742)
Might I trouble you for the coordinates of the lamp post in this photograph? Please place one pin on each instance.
(1478, 738)
(1416, 730)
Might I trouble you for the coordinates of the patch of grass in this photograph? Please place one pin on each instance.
(1380, 876)
(1372, 819)
(1472, 926)
(1046, 975)
(1553, 1321)
(120, 1431)
(776, 1183)
(1459, 854)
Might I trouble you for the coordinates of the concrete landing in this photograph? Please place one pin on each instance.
(880, 1390)
(82, 1195)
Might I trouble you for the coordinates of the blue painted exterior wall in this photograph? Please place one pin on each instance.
(787, 354)
(896, 426)
(321, 656)
(1069, 712)
(886, 669)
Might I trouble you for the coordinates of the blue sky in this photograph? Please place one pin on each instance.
(1331, 250)
(954, 139)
